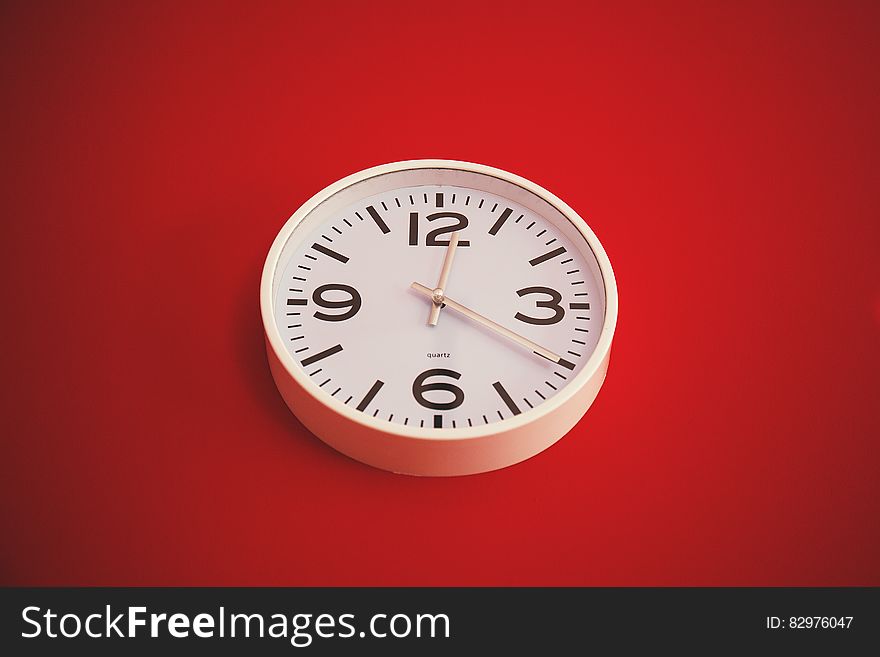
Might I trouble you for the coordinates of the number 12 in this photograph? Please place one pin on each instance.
(431, 238)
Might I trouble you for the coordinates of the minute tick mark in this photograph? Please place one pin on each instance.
(506, 398)
(534, 262)
(370, 394)
(379, 221)
(335, 349)
(320, 248)
(500, 221)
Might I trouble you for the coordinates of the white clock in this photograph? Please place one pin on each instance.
(436, 317)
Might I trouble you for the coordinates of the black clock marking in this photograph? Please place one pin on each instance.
(506, 398)
(566, 364)
(500, 222)
(413, 228)
(297, 302)
(431, 238)
(534, 262)
(379, 221)
(353, 303)
(438, 198)
(320, 248)
(438, 421)
(314, 358)
(419, 388)
(369, 396)
(552, 304)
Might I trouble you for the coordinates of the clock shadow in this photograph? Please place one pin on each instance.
(253, 366)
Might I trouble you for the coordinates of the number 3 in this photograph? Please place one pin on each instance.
(553, 303)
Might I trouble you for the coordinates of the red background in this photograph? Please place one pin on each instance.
(726, 155)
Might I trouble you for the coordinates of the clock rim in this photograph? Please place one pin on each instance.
(595, 365)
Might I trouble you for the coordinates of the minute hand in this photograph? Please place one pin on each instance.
(488, 323)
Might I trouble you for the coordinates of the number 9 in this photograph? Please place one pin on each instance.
(352, 303)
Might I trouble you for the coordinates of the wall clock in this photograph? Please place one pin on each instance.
(435, 317)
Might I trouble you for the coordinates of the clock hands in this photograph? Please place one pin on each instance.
(438, 294)
(485, 321)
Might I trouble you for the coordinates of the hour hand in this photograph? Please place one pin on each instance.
(439, 291)
(436, 294)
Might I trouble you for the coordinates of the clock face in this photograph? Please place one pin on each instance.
(520, 313)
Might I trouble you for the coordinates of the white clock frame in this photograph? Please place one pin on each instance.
(429, 451)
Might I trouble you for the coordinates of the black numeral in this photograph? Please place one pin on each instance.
(553, 304)
(352, 303)
(419, 388)
(461, 222)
